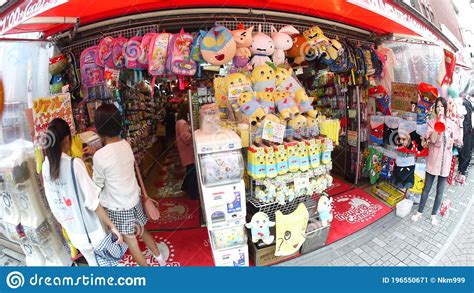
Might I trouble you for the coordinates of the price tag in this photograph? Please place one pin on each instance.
(235, 90)
(273, 131)
(301, 182)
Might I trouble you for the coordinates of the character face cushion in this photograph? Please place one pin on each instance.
(260, 228)
(264, 78)
(218, 46)
(390, 130)
(376, 129)
(404, 172)
(291, 230)
(406, 130)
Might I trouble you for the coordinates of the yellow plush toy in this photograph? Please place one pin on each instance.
(251, 108)
(298, 124)
(235, 79)
(264, 78)
(267, 100)
(323, 44)
(286, 82)
(273, 118)
(281, 159)
(312, 125)
(285, 103)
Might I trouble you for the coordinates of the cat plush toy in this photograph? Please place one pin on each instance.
(218, 46)
(283, 41)
(382, 98)
(243, 39)
(262, 46)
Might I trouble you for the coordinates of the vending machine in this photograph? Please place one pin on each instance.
(221, 169)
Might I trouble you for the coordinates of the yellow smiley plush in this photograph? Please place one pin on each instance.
(264, 78)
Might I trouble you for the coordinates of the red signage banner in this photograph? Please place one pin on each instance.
(25, 11)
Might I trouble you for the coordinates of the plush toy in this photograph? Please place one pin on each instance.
(273, 118)
(291, 194)
(281, 195)
(312, 126)
(314, 152)
(303, 156)
(382, 98)
(329, 180)
(260, 194)
(291, 230)
(256, 162)
(262, 46)
(297, 126)
(235, 84)
(270, 193)
(285, 103)
(270, 163)
(264, 78)
(243, 39)
(251, 108)
(218, 46)
(300, 51)
(283, 41)
(332, 48)
(292, 153)
(281, 159)
(267, 101)
(325, 209)
(427, 95)
(260, 228)
(285, 81)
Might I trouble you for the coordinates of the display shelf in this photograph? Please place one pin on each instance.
(270, 209)
(290, 177)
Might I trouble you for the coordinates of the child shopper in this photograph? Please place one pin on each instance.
(114, 173)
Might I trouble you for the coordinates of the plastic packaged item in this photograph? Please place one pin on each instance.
(222, 168)
(209, 118)
(33, 255)
(229, 237)
(404, 208)
(244, 134)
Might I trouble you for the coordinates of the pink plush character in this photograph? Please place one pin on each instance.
(262, 46)
(243, 38)
(283, 41)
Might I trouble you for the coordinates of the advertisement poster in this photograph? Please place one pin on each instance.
(404, 97)
(46, 109)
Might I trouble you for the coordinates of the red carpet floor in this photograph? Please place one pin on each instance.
(338, 186)
(177, 213)
(186, 248)
(352, 211)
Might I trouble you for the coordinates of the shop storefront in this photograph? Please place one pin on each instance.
(286, 113)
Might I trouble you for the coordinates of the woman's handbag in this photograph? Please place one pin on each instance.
(149, 205)
(107, 253)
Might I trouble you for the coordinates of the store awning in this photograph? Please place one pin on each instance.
(359, 13)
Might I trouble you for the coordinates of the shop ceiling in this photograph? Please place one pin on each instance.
(52, 17)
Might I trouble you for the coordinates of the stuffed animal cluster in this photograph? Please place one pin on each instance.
(271, 92)
(291, 157)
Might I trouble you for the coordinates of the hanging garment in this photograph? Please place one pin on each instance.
(390, 130)
(404, 172)
(291, 230)
(419, 177)
(376, 129)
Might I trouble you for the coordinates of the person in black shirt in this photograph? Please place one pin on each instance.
(465, 152)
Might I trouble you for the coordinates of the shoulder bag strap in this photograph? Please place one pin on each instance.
(140, 180)
(78, 200)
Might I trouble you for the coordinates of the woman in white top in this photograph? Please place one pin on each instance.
(61, 195)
